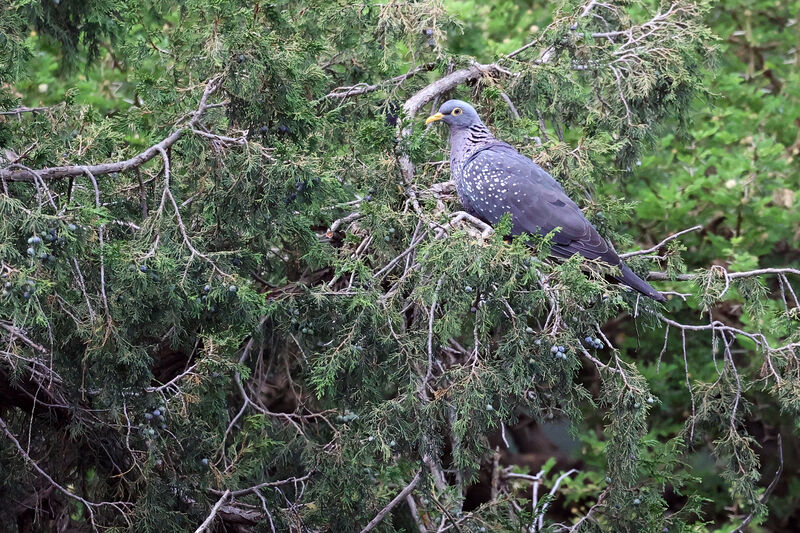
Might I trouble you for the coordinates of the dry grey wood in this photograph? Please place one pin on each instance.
(117, 166)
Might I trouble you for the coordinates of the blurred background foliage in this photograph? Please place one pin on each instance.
(727, 160)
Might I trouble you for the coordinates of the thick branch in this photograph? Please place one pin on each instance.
(448, 83)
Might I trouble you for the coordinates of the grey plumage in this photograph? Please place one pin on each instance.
(493, 179)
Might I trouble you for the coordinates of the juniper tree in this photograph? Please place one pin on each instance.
(242, 295)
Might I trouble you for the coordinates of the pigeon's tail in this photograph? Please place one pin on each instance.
(635, 282)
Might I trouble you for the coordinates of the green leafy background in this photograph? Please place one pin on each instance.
(328, 353)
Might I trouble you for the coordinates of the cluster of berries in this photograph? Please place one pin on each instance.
(155, 419)
(559, 352)
(305, 327)
(348, 416)
(28, 288)
(34, 241)
(594, 342)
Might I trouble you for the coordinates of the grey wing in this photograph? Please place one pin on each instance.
(537, 203)
(466, 203)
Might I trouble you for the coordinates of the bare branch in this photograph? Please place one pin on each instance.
(241, 492)
(181, 226)
(662, 243)
(213, 513)
(24, 109)
(448, 83)
(432, 314)
(101, 238)
(663, 276)
(511, 107)
(392, 504)
(18, 333)
(412, 505)
(560, 478)
(364, 88)
(118, 166)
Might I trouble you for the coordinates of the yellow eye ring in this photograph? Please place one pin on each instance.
(456, 111)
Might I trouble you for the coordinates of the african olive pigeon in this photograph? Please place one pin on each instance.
(493, 179)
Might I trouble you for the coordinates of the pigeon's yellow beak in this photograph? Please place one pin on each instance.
(434, 118)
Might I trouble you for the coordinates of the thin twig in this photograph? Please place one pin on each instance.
(89, 505)
(770, 488)
(662, 243)
(364, 88)
(241, 492)
(23, 109)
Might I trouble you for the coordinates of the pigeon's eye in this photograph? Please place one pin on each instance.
(456, 111)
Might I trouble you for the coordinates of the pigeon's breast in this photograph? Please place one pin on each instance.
(484, 184)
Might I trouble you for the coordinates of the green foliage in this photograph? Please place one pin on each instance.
(272, 297)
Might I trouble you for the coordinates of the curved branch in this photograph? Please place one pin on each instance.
(118, 166)
(662, 243)
(448, 83)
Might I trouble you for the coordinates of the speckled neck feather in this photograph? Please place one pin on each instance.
(464, 142)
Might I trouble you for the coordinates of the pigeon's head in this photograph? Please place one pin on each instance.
(456, 114)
